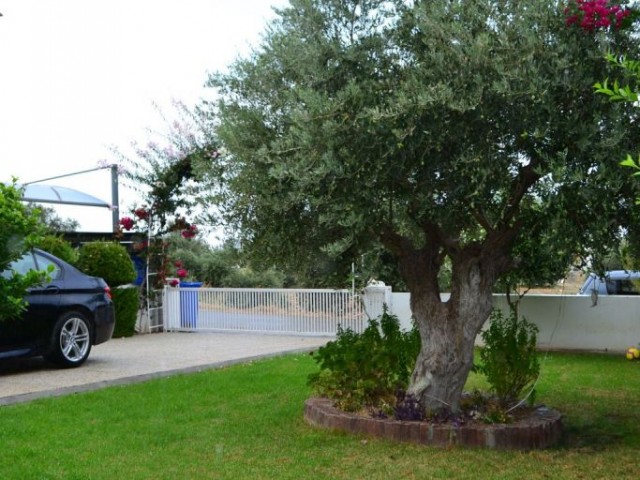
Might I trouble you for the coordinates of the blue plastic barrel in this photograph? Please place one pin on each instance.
(189, 304)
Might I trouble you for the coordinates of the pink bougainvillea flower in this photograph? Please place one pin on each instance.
(141, 213)
(591, 15)
(182, 273)
(127, 223)
(190, 232)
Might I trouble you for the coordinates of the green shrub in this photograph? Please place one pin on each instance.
(126, 301)
(366, 370)
(58, 246)
(20, 230)
(509, 358)
(214, 269)
(108, 260)
(245, 277)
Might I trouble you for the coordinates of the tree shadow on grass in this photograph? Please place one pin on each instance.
(601, 432)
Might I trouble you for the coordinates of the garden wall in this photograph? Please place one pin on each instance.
(567, 322)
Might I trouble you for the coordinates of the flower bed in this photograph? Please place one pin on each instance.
(542, 429)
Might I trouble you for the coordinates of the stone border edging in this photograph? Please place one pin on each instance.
(543, 430)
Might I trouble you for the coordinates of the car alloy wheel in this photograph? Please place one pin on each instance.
(71, 340)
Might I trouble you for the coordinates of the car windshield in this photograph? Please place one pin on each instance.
(32, 261)
(623, 287)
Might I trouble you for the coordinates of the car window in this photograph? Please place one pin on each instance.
(44, 264)
(612, 286)
(623, 287)
(32, 261)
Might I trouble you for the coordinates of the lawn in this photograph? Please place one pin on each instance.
(246, 421)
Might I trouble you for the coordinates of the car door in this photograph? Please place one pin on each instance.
(33, 328)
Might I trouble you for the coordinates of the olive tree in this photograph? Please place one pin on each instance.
(452, 132)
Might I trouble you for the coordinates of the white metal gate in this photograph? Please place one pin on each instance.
(309, 312)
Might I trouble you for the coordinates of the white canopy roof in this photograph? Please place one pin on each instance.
(67, 196)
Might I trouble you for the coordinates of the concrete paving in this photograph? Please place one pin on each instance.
(139, 358)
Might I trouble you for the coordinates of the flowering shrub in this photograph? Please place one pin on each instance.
(142, 217)
(170, 174)
(144, 222)
(591, 15)
(180, 272)
(170, 179)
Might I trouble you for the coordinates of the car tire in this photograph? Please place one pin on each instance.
(71, 342)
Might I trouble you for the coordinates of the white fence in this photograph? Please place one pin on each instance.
(309, 312)
(565, 322)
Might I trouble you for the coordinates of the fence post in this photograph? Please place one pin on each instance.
(376, 295)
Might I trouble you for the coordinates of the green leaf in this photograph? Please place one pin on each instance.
(629, 162)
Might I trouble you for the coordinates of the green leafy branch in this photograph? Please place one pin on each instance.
(623, 93)
(617, 92)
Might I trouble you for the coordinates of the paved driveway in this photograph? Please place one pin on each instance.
(142, 357)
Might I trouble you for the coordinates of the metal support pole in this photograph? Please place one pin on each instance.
(115, 201)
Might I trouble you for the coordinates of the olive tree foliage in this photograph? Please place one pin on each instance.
(458, 133)
(20, 230)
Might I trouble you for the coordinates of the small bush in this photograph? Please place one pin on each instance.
(111, 262)
(366, 370)
(107, 260)
(215, 268)
(126, 302)
(245, 277)
(58, 246)
(509, 358)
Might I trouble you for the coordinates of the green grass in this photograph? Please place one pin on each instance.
(245, 422)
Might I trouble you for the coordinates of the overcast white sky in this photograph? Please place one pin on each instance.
(79, 76)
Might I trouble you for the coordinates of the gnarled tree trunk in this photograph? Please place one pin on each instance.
(448, 329)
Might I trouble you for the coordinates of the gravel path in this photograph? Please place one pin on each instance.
(122, 361)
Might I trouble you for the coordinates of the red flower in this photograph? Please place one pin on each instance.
(182, 273)
(174, 282)
(190, 232)
(127, 223)
(141, 213)
(594, 14)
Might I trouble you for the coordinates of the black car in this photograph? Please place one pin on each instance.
(64, 317)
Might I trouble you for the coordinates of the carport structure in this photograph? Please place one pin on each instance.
(37, 192)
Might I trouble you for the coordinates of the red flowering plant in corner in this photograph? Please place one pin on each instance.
(171, 176)
(166, 270)
(180, 274)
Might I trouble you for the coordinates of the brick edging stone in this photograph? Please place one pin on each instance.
(542, 430)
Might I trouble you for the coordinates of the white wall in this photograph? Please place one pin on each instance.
(400, 308)
(567, 322)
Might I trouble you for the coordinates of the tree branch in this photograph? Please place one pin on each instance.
(520, 186)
